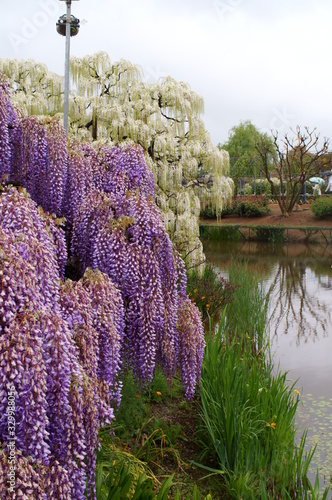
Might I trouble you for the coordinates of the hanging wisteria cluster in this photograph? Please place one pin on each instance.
(7, 120)
(93, 310)
(39, 161)
(64, 344)
(120, 231)
(60, 350)
(36, 349)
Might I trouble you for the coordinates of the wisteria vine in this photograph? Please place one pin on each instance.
(64, 344)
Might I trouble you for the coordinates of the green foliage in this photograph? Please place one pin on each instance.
(248, 189)
(248, 414)
(130, 467)
(220, 233)
(154, 442)
(129, 417)
(153, 437)
(133, 412)
(210, 292)
(270, 234)
(247, 313)
(116, 463)
(208, 212)
(115, 482)
(261, 186)
(244, 160)
(322, 206)
(159, 389)
(249, 206)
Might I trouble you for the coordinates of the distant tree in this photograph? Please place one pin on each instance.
(244, 160)
(110, 103)
(296, 158)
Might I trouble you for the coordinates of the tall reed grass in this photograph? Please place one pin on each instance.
(247, 314)
(248, 414)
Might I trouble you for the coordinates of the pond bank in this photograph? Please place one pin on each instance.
(262, 232)
(301, 226)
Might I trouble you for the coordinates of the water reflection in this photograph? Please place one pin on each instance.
(299, 278)
(296, 304)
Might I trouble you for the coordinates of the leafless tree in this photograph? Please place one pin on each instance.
(293, 160)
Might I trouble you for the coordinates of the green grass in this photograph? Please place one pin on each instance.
(249, 418)
(150, 445)
(248, 414)
(247, 314)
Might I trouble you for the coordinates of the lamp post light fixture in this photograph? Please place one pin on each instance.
(67, 26)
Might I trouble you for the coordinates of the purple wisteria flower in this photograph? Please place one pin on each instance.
(93, 309)
(64, 344)
(7, 120)
(38, 356)
(39, 161)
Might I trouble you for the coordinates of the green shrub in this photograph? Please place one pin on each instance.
(210, 292)
(249, 206)
(208, 212)
(264, 187)
(248, 189)
(322, 206)
(131, 413)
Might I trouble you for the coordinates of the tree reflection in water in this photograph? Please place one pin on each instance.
(298, 276)
(296, 304)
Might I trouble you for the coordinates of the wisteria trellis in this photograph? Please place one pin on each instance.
(63, 343)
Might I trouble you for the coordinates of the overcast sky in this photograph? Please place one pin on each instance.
(268, 61)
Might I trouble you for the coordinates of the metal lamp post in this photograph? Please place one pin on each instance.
(67, 26)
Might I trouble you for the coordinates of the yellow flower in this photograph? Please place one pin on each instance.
(158, 393)
(203, 297)
(113, 463)
(138, 396)
(297, 392)
(195, 291)
(272, 425)
(207, 306)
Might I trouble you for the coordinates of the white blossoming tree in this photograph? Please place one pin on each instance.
(110, 103)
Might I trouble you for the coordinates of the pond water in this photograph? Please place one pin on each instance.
(299, 278)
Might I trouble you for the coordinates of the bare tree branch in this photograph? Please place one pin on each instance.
(295, 161)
